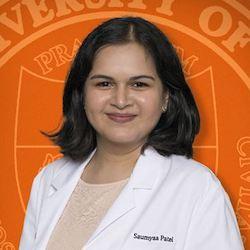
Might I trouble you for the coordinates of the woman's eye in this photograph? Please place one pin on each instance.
(103, 84)
(140, 84)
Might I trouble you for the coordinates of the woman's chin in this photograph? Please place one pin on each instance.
(122, 140)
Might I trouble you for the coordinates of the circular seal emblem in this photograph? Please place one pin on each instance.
(38, 41)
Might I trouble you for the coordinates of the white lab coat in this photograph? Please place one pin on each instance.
(168, 203)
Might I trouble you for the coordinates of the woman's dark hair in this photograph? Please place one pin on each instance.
(177, 127)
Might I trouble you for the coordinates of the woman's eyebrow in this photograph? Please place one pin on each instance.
(131, 78)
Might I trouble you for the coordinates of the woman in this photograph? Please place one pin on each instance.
(127, 180)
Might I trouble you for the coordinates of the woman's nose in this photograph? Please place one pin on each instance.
(121, 97)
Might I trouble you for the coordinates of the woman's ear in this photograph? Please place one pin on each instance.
(165, 102)
(167, 96)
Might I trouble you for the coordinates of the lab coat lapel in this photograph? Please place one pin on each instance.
(60, 189)
(144, 175)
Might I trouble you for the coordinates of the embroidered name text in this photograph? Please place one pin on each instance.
(153, 238)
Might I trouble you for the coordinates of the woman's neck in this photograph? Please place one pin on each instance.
(111, 163)
(116, 157)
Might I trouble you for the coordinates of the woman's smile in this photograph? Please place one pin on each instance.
(120, 117)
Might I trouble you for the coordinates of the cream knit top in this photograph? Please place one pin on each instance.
(84, 211)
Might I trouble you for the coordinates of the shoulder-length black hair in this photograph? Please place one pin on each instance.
(177, 127)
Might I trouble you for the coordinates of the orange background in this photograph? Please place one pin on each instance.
(37, 44)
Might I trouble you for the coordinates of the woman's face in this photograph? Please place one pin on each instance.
(123, 94)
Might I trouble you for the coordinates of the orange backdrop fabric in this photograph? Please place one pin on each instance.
(38, 40)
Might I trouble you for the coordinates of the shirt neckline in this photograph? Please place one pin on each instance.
(103, 184)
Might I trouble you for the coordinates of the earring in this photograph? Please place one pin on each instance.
(164, 108)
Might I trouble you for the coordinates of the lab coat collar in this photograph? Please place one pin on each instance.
(70, 170)
(147, 169)
(143, 174)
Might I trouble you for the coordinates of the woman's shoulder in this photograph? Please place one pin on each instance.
(193, 173)
(52, 169)
(55, 166)
(189, 164)
(193, 180)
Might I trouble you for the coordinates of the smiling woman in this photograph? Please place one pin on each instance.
(123, 96)
(127, 180)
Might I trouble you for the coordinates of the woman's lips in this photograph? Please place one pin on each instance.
(121, 118)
